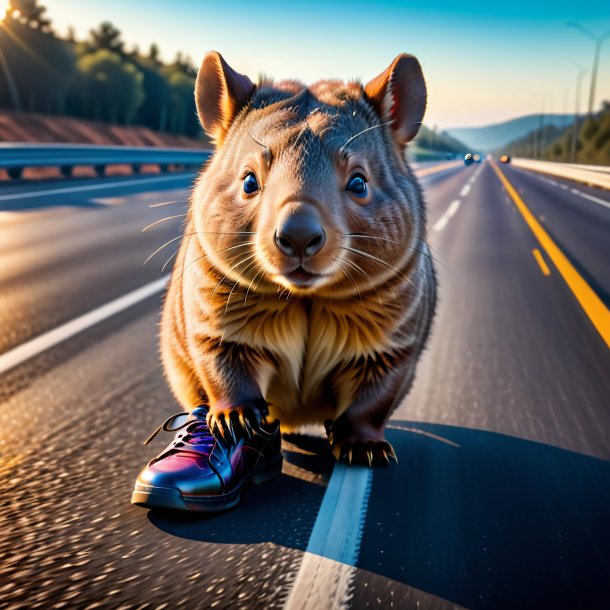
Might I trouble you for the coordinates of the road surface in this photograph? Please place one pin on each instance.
(502, 495)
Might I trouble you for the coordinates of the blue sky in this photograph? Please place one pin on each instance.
(484, 62)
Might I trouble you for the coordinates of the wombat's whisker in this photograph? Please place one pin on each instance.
(379, 260)
(243, 260)
(158, 205)
(366, 275)
(246, 243)
(257, 142)
(364, 131)
(168, 261)
(351, 279)
(234, 286)
(217, 252)
(261, 270)
(167, 243)
(152, 224)
(428, 254)
(224, 233)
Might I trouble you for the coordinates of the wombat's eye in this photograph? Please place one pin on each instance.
(357, 185)
(250, 184)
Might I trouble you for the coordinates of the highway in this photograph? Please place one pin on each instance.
(501, 498)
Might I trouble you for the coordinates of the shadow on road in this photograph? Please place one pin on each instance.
(491, 521)
(473, 517)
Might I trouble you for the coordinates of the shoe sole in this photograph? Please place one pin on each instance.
(148, 496)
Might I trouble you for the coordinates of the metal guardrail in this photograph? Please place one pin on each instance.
(14, 158)
(593, 175)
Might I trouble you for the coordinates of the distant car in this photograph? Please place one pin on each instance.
(504, 159)
(449, 156)
(477, 158)
(468, 160)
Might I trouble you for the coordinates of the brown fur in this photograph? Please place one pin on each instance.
(236, 333)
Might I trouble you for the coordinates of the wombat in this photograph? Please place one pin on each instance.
(304, 288)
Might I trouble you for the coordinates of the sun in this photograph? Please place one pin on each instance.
(5, 7)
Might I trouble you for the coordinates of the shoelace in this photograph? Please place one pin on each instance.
(197, 431)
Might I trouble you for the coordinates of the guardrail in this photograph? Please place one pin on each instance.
(593, 175)
(14, 158)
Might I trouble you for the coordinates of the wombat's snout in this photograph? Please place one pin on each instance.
(300, 234)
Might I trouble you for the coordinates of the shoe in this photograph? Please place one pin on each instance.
(199, 472)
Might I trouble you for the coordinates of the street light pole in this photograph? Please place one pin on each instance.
(579, 77)
(598, 40)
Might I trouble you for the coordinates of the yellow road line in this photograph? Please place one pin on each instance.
(598, 313)
(437, 168)
(543, 266)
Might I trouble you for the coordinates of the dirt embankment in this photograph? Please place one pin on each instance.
(38, 128)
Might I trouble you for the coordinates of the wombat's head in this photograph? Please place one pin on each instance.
(308, 188)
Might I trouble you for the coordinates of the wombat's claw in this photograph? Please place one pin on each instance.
(392, 454)
(245, 424)
(231, 424)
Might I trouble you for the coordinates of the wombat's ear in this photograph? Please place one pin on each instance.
(220, 93)
(399, 95)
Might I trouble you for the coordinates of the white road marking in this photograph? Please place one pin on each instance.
(465, 190)
(441, 223)
(39, 344)
(328, 566)
(88, 187)
(574, 191)
(606, 204)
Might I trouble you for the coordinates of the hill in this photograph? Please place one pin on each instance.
(555, 144)
(494, 137)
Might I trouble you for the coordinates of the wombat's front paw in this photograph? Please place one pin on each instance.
(233, 422)
(358, 447)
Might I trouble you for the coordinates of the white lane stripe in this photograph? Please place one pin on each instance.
(574, 191)
(89, 187)
(465, 190)
(53, 337)
(441, 223)
(606, 204)
(328, 565)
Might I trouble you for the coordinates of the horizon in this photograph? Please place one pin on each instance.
(517, 60)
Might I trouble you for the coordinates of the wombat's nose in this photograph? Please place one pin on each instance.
(300, 235)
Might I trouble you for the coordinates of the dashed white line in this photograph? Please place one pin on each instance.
(574, 191)
(50, 339)
(465, 190)
(441, 223)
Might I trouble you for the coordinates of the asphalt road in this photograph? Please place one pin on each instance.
(502, 495)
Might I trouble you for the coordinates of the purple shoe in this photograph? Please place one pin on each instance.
(199, 472)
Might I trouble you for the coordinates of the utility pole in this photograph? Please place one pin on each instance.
(579, 77)
(598, 40)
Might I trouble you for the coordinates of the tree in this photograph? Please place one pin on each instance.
(114, 87)
(182, 103)
(153, 53)
(30, 13)
(154, 111)
(43, 67)
(106, 37)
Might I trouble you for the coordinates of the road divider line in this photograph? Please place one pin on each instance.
(541, 262)
(593, 306)
(441, 223)
(420, 173)
(465, 190)
(89, 187)
(606, 204)
(327, 569)
(50, 339)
